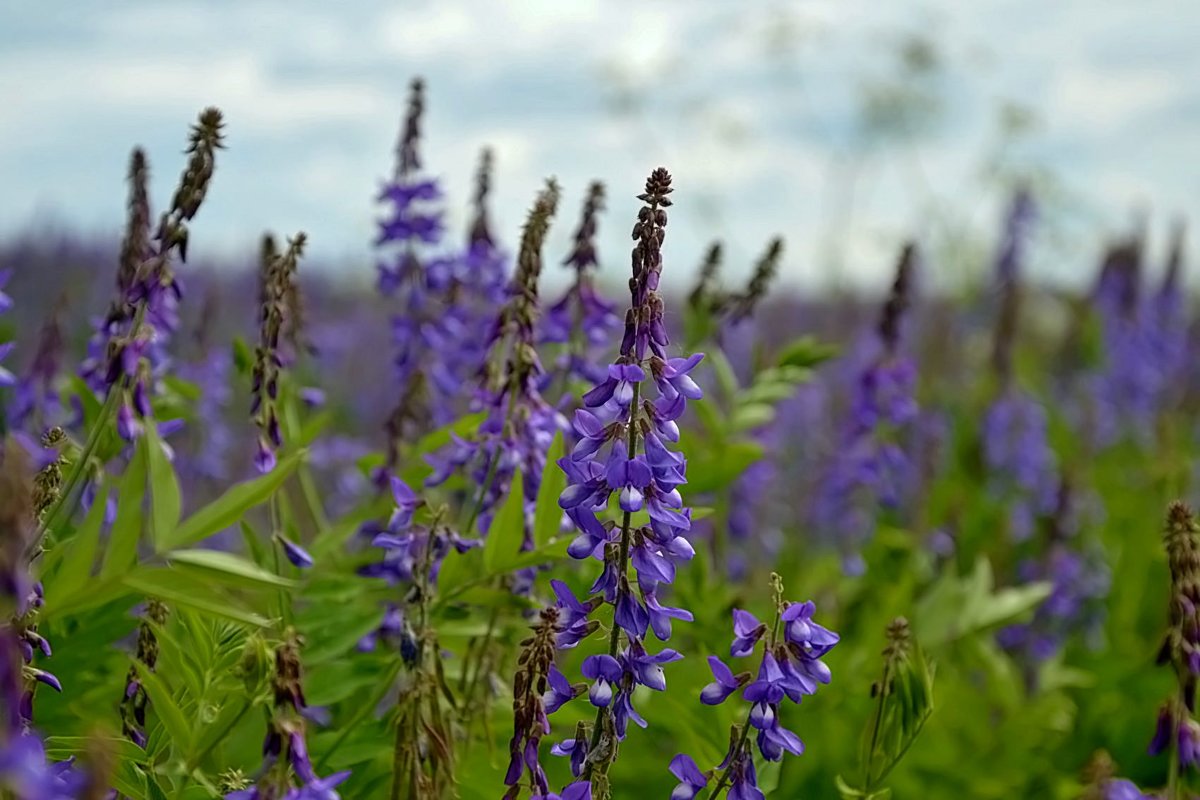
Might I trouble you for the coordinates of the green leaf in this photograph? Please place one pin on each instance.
(176, 586)
(243, 358)
(547, 516)
(470, 570)
(960, 606)
(723, 370)
(77, 554)
(229, 507)
(165, 707)
(507, 531)
(806, 352)
(749, 416)
(848, 792)
(130, 780)
(165, 500)
(62, 747)
(127, 529)
(229, 568)
(711, 468)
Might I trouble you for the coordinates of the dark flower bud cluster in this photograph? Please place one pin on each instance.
(706, 294)
(285, 751)
(277, 281)
(622, 449)
(867, 471)
(1008, 262)
(520, 425)
(582, 320)
(134, 701)
(742, 305)
(1177, 732)
(790, 668)
(539, 689)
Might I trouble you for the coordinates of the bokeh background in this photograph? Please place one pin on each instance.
(844, 125)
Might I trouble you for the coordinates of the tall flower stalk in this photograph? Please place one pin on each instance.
(25, 774)
(581, 321)
(412, 224)
(1021, 465)
(277, 288)
(129, 343)
(1177, 733)
(867, 472)
(287, 770)
(622, 435)
(412, 555)
(520, 425)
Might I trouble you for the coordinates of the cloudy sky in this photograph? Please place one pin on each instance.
(756, 107)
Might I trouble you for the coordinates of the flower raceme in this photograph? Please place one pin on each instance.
(623, 450)
(790, 668)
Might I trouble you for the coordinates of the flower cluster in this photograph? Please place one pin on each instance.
(622, 449)
(1080, 581)
(280, 274)
(412, 557)
(128, 349)
(412, 224)
(1020, 462)
(473, 285)
(520, 425)
(285, 750)
(1140, 336)
(790, 668)
(867, 470)
(582, 320)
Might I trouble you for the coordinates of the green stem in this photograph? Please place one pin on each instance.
(312, 498)
(366, 708)
(80, 467)
(737, 748)
(196, 760)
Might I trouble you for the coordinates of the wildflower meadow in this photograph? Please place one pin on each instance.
(574, 524)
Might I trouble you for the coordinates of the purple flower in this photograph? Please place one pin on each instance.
(691, 779)
(726, 683)
(604, 671)
(576, 748)
(296, 554)
(747, 632)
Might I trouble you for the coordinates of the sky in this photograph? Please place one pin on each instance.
(756, 107)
